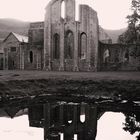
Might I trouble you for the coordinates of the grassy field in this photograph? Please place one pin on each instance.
(67, 84)
(25, 75)
(22, 88)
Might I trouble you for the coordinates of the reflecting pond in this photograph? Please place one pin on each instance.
(110, 127)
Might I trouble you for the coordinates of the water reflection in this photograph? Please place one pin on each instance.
(132, 123)
(110, 127)
(18, 129)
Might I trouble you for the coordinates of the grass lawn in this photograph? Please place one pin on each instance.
(91, 84)
(19, 88)
(25, 75)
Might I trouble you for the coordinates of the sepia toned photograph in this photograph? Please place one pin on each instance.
(69, 69)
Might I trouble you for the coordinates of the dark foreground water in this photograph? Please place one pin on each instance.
(109, 128)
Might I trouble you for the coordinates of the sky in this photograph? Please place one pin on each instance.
(111, 13)
(109, 128)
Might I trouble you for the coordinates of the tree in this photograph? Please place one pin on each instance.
(132, 34)
(132, 123)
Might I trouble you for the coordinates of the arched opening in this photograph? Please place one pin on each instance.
(69, 45)
(31, 57)
(82, 113)
(83, 46)
(63, 9)
(106, 55)
(56, 47)
(55, 115)
(126, 55)
(61, 136)
(68, 118)
(75, 137)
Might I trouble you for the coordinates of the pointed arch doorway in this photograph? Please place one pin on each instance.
(69, 50)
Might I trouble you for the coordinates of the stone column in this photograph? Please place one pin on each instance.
(69, 127)
(88, 44)
(52, 128)
(2, 61)
(76, 49)
(91, 123)
(61, 117)
(45, 49)
(62, 41)
(47, 39)
(21, 47)
(96, 42)
(48, 68)
(20, 57)
(47, 121)
(75, 118)
(6, 59)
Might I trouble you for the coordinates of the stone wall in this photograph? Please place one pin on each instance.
(11, 48)
(115, 57)
(1, 61)
(34, 52)
(1, 56)
(33, 58)
(36, 33)
(70, 33)
(14, 53)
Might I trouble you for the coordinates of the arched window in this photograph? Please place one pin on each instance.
(83, 46)
(31, 57)
(126, 55)
(56, 47)
(63, 9)
(69, 45)
(106, 55)
(82, 113)
(69, 110)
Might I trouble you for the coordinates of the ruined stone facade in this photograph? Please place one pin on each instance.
(70, 45)
(114, 57)
(60, 43)
(34, 51)
(14, 47)
(1, 56)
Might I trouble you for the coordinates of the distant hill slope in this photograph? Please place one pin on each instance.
(114, 34)
(12, 25)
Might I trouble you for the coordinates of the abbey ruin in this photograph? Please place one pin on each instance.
(61, 43)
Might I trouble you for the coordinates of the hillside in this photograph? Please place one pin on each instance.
(12, 25)
(114, 34)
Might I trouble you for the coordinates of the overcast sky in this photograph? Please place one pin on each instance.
(111, 13)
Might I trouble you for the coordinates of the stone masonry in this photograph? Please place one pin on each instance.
(34, 52)
(70, 45)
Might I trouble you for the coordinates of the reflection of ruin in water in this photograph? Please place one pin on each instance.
(109, 127)
(58, 107)
(132, 123)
